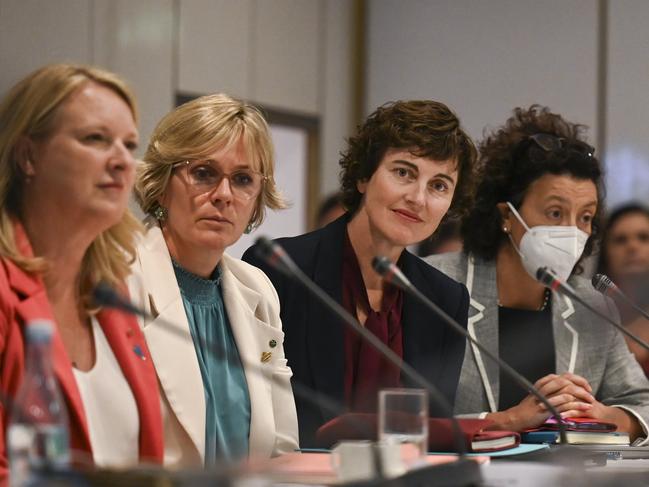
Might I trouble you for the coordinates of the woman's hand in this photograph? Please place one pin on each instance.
(624, 420)
(570, 395)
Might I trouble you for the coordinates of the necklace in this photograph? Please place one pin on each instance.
(546, 300)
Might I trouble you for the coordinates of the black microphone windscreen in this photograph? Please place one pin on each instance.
(544, 276)
(274, 255)
(602, 283)
(381, 265)
(264, 248)
(105, 295)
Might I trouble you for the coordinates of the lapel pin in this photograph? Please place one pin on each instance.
(138, 351)
(265, 356)
(272, 343)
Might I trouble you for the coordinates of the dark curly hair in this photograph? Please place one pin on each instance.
(510, 160)
(425, 128)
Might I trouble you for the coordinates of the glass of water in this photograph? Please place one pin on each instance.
(403, 419)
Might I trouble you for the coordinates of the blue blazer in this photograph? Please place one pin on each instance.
(314, 338)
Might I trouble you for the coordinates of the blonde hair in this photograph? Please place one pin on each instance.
(193, 131)
(29, 110)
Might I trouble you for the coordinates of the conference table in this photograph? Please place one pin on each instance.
(551, 468)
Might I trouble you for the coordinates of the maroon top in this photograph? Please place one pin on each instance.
(365, 371)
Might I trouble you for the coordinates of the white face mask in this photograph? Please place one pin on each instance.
(556, 247)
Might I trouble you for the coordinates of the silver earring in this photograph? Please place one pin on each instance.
(505, 229)
(248, 229)
(160, 213)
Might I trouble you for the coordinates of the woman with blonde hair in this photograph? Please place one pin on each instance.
(215, 333)
(66, 171)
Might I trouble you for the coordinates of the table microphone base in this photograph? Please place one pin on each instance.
(463, 472)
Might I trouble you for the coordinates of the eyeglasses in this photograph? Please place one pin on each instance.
(552, 143)
(204, 176)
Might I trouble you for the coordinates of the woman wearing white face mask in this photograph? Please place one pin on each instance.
(557, 247)
(537, 205)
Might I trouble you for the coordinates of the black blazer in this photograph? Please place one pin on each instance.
(314, 339)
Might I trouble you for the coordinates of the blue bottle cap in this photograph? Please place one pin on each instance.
(39, 331)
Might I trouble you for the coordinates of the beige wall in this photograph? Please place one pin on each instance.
(627, 104)
(481, 57)
(485, 57)
(291, 55)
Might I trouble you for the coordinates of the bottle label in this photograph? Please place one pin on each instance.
(19, 437)
(38, 445)
(19, 440)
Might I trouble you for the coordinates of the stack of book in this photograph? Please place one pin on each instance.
(579, 431)
(476, 433)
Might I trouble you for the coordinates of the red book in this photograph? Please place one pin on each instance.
(476, 433)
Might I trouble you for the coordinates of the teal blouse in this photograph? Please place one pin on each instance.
(227, 403)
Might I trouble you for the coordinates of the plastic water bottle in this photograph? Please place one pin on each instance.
(37, 433)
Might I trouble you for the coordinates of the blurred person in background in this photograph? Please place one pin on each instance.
(330, 209)
(624, 257)
(207, 177)
(447, 238)
(66, 172)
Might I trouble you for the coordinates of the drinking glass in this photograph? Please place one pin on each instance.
(403, 419)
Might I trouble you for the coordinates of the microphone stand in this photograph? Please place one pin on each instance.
(106, 296)
(628, 301)
(391, 273)
(275, 256)
(604, 283)
(565, 452)
(545, 276)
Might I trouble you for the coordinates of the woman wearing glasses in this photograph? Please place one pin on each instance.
(538, 204)
(408, 165)
(214, 329)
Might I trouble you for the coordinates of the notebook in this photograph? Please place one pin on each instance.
(475, 433)
(577, 437)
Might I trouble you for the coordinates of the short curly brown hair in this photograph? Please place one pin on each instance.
(425, 128)
(510, 162)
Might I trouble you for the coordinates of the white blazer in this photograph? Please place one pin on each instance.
(253, 311)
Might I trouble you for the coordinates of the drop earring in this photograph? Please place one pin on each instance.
(160, 213)
(248, 228)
